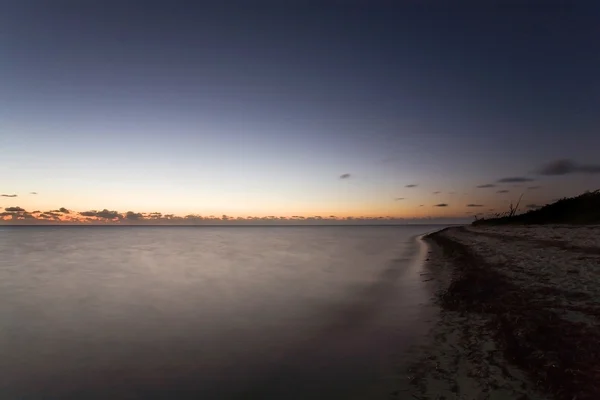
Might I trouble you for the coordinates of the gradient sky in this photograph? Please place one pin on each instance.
(259, 109)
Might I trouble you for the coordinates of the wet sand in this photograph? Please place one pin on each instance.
(519, 312)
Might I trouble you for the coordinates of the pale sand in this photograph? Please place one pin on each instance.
(549, 277)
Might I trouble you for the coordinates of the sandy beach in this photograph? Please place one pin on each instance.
(518, 314)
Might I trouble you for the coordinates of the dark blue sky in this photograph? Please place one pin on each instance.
(258, 109)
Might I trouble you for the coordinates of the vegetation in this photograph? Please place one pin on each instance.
(582, 209)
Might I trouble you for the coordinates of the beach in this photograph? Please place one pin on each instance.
(518, 314)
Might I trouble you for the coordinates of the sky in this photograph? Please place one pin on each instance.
(351, 109)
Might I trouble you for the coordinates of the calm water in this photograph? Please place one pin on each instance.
(206, 312)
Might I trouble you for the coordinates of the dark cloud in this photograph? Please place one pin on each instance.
(132, 216)
(421, 205)
(441, 205)
(50, 215)
(64, 210)
(503, 191)
(515, 179)
(437, 192)
(344, 176)
(566, 166)
(399, 198)
(533, 187)
(412, 185)
(589, 169)
(474, 205)
(8, 195)
(451, 192)
(106, 214)
(32, 192)
(558, 167)
(14, 209)
(487, 185)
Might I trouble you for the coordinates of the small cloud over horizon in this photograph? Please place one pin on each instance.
(399, 198)
(8, 195)
(566, 166)
(474, 205)
(437, 192)
(487, 185)
(441, 205)
(14, 209)
(515, 179)
(412, 185)
(503, 191)
(105, 214)
(133, 216)
(345, 176)
(32, 192)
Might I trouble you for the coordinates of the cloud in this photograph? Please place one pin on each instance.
(532, 206)
(32, 192)
(503, 191)
(130, 215)
(565, 166)
(533, 187)
(14, 209)
(515, 179)
(438, 192)
(106, 214)
(345, 176)
(558, 167)
(399, 198)
(451, 192)
(8, 195)
(441, 205)
(589, 169)
(26, 215)
(50, 215)
(64, 210)
(421, 205)
(474, 205)
(487, 185)
(412, 185)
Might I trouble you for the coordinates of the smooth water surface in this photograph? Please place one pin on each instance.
(205, 312)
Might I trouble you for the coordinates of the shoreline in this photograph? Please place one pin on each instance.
(518, 314)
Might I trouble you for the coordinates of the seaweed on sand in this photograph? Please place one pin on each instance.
(561, 357)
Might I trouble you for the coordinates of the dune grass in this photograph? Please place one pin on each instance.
(582, 209)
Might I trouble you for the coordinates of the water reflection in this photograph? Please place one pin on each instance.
(204, 313)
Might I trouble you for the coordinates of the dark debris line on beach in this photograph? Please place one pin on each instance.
(561, 357)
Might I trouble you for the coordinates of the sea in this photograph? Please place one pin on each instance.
(280, 312)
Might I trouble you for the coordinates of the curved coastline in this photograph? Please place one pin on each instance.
(518, 310)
